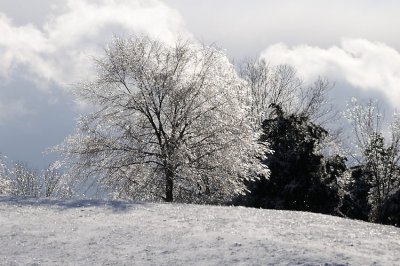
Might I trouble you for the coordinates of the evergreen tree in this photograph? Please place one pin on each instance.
(355, 203)
(301, 178)
(389, 211)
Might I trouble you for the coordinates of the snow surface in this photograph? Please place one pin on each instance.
(94, 232)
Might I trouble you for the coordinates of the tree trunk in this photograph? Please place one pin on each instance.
(169, 185)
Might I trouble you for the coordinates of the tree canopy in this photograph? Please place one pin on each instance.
(171, 123)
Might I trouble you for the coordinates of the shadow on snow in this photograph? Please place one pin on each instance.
(65, 204)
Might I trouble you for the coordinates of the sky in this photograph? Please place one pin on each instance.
(47, 46)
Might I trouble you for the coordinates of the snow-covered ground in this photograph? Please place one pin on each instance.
(91, 232)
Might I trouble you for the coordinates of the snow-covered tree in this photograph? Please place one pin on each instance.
(378, 161)
(170, 122)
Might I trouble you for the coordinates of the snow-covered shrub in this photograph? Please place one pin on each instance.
(5, 184)
(20, 180)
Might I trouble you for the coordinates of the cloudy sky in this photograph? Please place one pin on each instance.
(47, 45)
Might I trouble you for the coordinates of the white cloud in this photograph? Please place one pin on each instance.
(369, 66)
(60, 50)
(246, 27)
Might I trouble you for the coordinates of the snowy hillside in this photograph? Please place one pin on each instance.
(89, 232)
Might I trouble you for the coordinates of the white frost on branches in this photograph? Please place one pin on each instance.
(379, 159)
(171, 123)
(5, 184)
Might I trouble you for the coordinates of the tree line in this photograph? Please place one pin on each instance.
(181, 123)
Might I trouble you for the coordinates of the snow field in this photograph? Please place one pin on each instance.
(94, 232)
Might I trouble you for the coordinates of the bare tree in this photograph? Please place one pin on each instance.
(366, 121)
(281, 86)
(170, 123)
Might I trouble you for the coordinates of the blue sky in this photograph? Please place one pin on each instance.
(47, 45)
